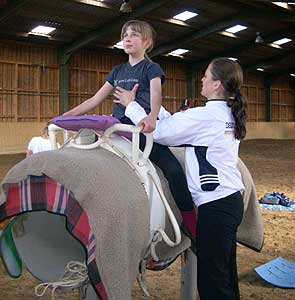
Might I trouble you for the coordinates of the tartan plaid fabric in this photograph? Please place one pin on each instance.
(37, 193)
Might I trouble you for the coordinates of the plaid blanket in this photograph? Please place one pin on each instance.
(37, 193)
(111, 221)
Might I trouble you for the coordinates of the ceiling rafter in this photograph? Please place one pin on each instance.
(12, 7)
(249, 45)
(111, 25)
(94, 3)
(269, 61)
(194, 35)
(265, 6)
(283, 72)
(205, 31)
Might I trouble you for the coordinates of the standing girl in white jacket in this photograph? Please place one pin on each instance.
(211, 135)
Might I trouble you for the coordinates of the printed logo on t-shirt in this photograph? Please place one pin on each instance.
(126, 80)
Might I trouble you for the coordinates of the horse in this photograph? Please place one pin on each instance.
(91, 205)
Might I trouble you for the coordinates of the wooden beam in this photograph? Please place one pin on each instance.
(249, 45)
(195, 35)
(12, 7)
(269, 61)
(94, 3)
(190, 83)
(267, 92)
(63, 83)
(247, 13)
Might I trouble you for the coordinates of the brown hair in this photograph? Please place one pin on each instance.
(144, 28)
(230, 74)
(45, 132)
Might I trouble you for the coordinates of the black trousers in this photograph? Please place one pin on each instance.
(172, 169)
(173, 172)
(216, 248)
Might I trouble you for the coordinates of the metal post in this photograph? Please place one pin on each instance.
(189, 278)
(63, 82)
(267, 90)
(190, 83)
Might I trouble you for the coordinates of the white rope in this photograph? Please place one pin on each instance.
(141, 278)
(172, 218)
(75, 275)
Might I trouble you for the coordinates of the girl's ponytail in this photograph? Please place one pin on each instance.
(238, 106)
(230, 75)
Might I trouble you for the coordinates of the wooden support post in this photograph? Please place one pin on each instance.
(63, 82)
(15, 93)
(190, 83)
(267, 91)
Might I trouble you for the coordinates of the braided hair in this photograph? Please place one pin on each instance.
(230, 75)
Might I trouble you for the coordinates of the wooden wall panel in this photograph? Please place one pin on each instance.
(96, 59)
(28, 81)
(48, 106)
(282, 105)
(12, 51)
(29, 84)
(6, 106)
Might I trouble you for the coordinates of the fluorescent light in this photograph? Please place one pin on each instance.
(185, 15)
(178, 52)
(281, 4)
(233, 58)
(42, 30)
(292, 74)
(260, 69)
(119, 45)
(282, 41)
(236, 28)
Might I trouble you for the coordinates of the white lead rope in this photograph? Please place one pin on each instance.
(161, 234)
(74, 276)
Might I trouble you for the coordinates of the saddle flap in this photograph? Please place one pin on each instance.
(8, 252)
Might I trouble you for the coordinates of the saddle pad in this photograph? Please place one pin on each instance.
(95, 122)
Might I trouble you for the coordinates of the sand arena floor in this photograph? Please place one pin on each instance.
(272, 165)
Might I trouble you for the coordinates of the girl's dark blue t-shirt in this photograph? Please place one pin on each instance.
(126, 76)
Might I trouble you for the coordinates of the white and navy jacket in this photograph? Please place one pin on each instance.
(211, 153)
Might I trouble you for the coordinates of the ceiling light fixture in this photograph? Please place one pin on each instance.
(292, 74)
(282, 41)
(185, 15)
(259, 39)
(125, 7)
(260, 69)
(178, 52)
(281, 4)
(236, 28)
(42, 30)
(233, 58)
(119, 45)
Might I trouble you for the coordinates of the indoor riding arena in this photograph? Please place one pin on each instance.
(44, 74)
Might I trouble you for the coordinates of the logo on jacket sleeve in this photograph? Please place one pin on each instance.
(229, 128)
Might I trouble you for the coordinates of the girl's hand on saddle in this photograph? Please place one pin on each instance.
(123, 96)
(149, 123)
